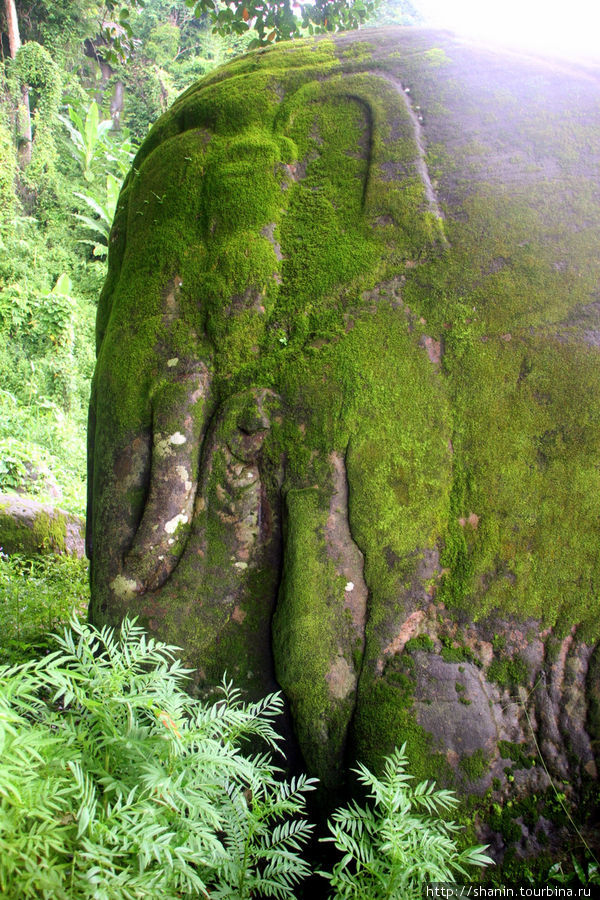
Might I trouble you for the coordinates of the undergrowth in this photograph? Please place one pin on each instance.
(116, 783)
(392, 848)
(37, 596)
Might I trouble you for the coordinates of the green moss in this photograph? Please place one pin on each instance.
(399, 672)
(50, 531)
(309, 639)
(47, 533)
(518, 753)
(399, 498)
(498, 642)
(475, 765)
(360, 52)
(452, 653)
(508, 671)
(502, 819)
(436, 57)
(421, 642)
(386, 721)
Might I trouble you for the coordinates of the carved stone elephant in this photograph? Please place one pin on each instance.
(345, 423)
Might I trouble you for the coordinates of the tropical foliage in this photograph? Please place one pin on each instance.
(116, 783)
(37, 596)
(399, 843)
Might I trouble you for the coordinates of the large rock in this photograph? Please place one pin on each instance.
(345, 425)
(28, 526)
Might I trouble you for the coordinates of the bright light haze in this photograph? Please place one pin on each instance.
(568, 28)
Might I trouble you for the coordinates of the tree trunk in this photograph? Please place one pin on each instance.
(23, 112)
(116, 105)
(14, 39)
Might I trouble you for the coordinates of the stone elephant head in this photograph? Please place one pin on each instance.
(345, 420)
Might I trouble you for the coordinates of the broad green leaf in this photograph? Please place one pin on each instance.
(63, 286)
(91, 125)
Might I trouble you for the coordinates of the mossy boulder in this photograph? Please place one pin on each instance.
(29, 527)
(345, 421)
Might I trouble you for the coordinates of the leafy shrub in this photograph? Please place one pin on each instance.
(26, 467)
(42, 435)
(104, 211)
(34, 314)
(393, 848)
(115, 783)
(93, 146)
(17, 460)
(40, 327)
(37, 596)
(586, 873)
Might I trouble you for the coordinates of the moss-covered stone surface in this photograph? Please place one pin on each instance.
(345, 425)
(29, 527)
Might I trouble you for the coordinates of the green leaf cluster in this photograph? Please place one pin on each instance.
(89, 136)
(281, 19)
(37, 596)
(399, 843)
(47, 296)
(115, 783)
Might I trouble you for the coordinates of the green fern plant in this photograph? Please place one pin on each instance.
(116, 784)
(394, 847)
(263, 844)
